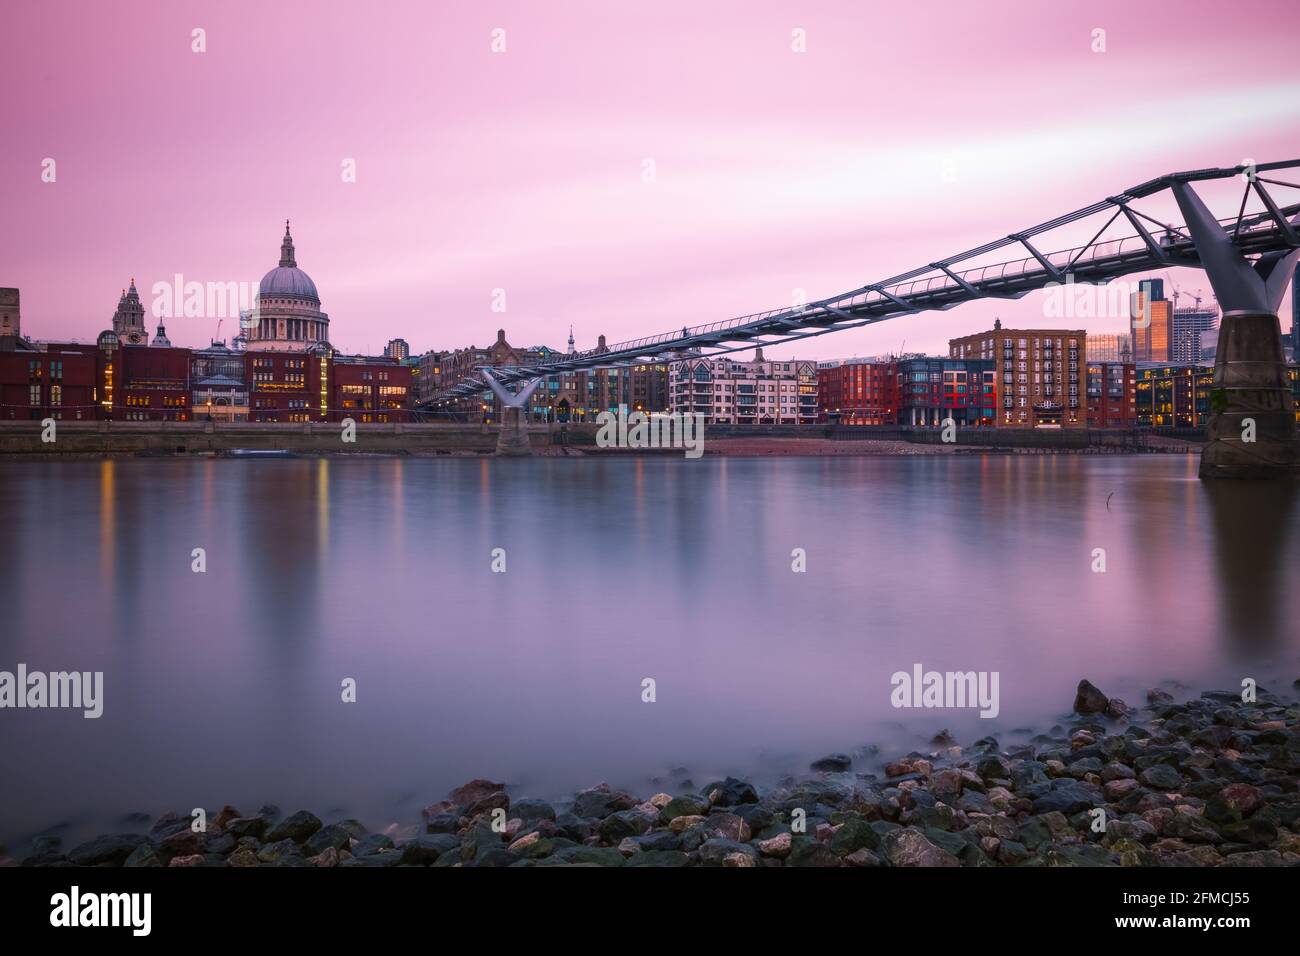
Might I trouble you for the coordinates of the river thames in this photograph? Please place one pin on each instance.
(225, 686)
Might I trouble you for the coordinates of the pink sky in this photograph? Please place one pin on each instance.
(523, 170)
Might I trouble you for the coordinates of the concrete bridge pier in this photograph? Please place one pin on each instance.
(1252, 431)
(512, 440)
(1251, 400)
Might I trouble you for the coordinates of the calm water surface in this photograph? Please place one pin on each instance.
(225, 686)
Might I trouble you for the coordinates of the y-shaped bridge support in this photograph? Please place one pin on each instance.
(513, 438)
(1252, 430)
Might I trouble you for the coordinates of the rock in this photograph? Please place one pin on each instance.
(863, 858)
(755, 815)
(276, 852)
(715, 852)
(246, 827)
(778, 846)
(1117, 771)
(809, 852)
(224, 816)
(1241, 798)
(296, 828)
(946, 785)
(731, 792)
(852, 835)
(1161, 776)
(726, 826)
(182, 843)
(1117, 789)
(195, 859)
(1029, 774)
(497, 856)
(832, 763)
(427, 847)
(1256, 831)
(1033, 832)
(975, 802)
(624, 823)
(1192, 828)
(687, 805)
(112, 849)
(474, 791)
(1089, 700)
(329, 857)
(599, 855)
(993, 767)
(220, 844)
(658, 840)
(681, 824)
(442, 823)
(370, 844)
(143, 855)
(1012, 852)
(332, 836)
(601, 801)
(244, 856)
(908, 847)
(493, 801)
(1067, 796)
(530, 810)
(386, 858)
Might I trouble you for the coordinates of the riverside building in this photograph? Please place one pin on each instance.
(756, 392)
(858, 391)
(1038, 374)
(1111, 394)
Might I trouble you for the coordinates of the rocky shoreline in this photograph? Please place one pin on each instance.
(1211, 781)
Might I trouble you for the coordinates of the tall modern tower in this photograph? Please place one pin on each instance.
(1151, 320)
(1190, 326)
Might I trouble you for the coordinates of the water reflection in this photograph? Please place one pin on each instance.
(226, 684)
(1254, 559)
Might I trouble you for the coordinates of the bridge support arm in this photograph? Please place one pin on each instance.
(1252, 431)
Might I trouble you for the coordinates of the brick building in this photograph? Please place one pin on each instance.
(1039, 374)
(858, 391)
(1111, 395)
(370, 390)
(152, 384)
(58, 382)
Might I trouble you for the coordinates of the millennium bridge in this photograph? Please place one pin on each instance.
(1248, 257)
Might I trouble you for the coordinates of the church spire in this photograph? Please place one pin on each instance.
(286, 249)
